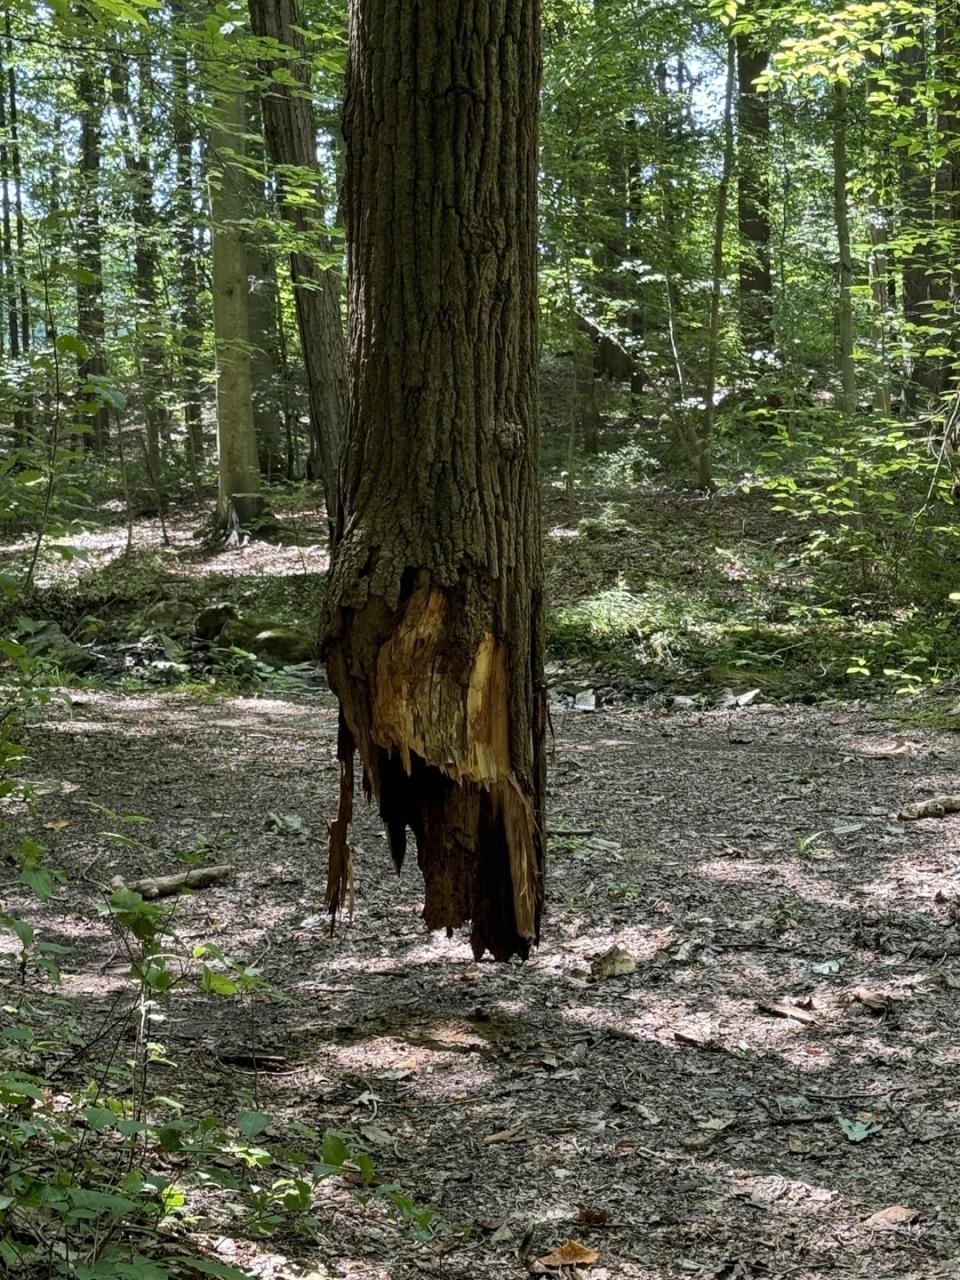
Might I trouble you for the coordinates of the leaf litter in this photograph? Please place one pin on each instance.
(698, 1073)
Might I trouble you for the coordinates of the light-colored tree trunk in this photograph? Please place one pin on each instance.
(705, 442)
(434, 641)
(845, 361)
(262, 292)
(187, 292)
(90, 317)
(238, 500)
(291, 141)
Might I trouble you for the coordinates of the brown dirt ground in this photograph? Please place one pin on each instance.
(530, 1102)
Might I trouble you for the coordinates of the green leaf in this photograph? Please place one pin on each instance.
(23, 930)
(69, 344)
(40, 881)
(8, 1253)
(334, 1149)
(217, 984)
(253, 1123)
(856, 1130)
(99, 1118)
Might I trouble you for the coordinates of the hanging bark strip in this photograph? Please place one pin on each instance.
(434, 641)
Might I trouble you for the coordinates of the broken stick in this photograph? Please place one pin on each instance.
(166, 886)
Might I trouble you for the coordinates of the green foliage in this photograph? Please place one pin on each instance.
(95, 1174)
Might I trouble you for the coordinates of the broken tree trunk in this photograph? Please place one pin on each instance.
(434, 641)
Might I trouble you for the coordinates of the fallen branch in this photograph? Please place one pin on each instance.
(166, 886)
(937, 807)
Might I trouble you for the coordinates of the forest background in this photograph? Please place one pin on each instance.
(748, 299)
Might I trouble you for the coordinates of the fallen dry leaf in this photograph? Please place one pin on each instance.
(615, 963)
(894, 1215)
(593, 1217)
(700, 1140)
(875, 1001)
(56, 826)
(502, 1135)
(699, 1039)
(570, 1254)
(782, 1009)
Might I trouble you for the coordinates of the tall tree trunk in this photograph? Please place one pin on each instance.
(90, 319)
(753, 198)
(434, 645)
(17, 170)
(945, 275)
(238, 499)
(151, 357)
(188, 306)
(11, 291)
(846, 364)
(916, 201)
(705, 443)
(291, 141)
(262, 289)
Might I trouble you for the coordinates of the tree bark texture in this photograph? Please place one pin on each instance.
(916, 224)
(845, 360)
(262, 295)
(290, 135)
(188, 304)
(238, 466)
(138, 120)
(434, 642)
(90, 318)
(753, 198)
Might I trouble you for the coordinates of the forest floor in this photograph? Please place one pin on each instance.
(772, 1091)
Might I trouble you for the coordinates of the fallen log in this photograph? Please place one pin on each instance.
(166, 886)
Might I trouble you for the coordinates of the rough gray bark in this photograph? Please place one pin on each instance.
(262, 291)
(188, 307)
(90, 321)
(916, 199)
(138, 121)
(238, 497)
(846, 363)
(434, 642)
(705, 442)
(753, 198)
(291, 141)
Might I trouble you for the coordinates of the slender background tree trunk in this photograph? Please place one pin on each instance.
(90, 317)
(753, 198)
(291, 141)
(239, 473)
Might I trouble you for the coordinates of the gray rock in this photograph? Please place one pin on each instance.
(211, 620)
(169, 618)
(51, 644)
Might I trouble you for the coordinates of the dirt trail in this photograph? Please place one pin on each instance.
(780, 1066)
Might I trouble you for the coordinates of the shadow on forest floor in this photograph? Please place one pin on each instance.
(797, 957)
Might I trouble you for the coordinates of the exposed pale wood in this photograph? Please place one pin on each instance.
(167, 886)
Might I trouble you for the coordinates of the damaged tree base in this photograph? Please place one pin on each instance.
(434, 703)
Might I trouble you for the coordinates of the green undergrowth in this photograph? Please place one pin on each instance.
(731, 592)
(646, 584)
(109, 1165)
